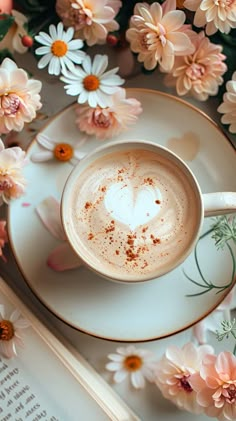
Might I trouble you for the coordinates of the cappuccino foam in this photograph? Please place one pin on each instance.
(133, 213)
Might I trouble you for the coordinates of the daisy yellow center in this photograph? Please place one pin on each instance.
(63, 152)
(133, 363)
(6, 330)
(59, 48)
(91, 83)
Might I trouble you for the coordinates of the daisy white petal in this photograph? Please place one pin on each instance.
(42, 156)
(43, 62)
(120, 376)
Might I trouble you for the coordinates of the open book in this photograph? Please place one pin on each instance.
(50, 381)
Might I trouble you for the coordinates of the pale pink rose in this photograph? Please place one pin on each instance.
(228, 106)
(107, 122)
(216, 15)
(12, 181)
(199, 74)
(3, 238)
(12, 40)
(91, 19)
(174, 371)
(19, 97)
(157, 33)
(215, 386)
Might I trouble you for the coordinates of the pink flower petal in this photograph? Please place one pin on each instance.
(63, 258)
(49, 212)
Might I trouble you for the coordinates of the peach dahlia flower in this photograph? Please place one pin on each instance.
(216, 15)
(91, 19)
(174, 371)
(158, 34)
(12, 181)
(215, 386)
(200, 73)
(19, 97)
(228, 106)
(107, 122)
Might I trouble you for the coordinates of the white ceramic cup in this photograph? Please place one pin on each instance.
(210, 204)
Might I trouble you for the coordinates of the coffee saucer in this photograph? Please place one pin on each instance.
(144, 311)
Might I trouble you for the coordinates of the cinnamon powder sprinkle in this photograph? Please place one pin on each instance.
(90, 236)
(155, 240)
(88, 205)
(110, 227)
(117, 252)
(103, 189)
(144, 229)
(149, 181)
(157, 202)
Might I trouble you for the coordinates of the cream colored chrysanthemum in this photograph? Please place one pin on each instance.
(158, 34)
(215, 14)
(107, 122)
(91, 19)
(19, 97)
(228, 106)
(12, 181)
(199, 74)
(174, 371)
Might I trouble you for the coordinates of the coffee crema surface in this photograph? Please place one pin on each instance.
(133, 213)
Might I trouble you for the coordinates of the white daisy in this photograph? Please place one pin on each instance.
(139, 364)
(62, 151)
(10, 332)
(90, 82)
(59, 49)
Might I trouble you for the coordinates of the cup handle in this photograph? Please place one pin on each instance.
(219, 203)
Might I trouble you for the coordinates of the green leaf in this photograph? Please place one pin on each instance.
(6, 22)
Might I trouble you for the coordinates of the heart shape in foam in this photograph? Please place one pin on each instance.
(132, 207)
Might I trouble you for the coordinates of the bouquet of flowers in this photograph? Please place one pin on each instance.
(192, 42)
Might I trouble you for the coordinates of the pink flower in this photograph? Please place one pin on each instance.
(19, 97)
(158, 34)
(12, 182)
(107, 122)
(199, 74)
(62, 257)
(215, 386)
(3, 238)
(91, 19)
(174, 371)
(228, 106)
(216, 15)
